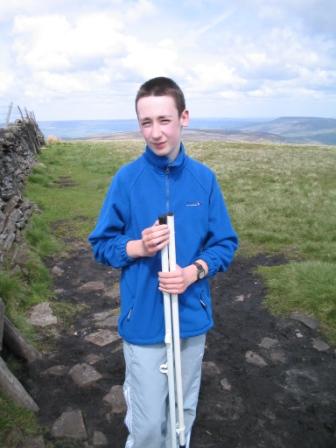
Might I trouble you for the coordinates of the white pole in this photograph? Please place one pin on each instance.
(168, 368)
(176, 335)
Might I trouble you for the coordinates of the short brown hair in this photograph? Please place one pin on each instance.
(162, 86)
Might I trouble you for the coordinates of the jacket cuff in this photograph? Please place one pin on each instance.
(124, 258)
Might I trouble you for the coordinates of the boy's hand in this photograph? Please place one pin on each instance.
(154, 239)
(177, 282)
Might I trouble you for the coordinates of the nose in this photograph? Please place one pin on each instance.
(156, 131)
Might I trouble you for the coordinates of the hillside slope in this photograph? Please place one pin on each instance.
(299, 129)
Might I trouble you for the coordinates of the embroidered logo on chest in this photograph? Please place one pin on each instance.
(193, 204)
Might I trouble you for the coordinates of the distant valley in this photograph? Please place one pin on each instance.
(308, 130)
(299, 129)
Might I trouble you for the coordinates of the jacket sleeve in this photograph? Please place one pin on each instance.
(222, 240)
(109, 238)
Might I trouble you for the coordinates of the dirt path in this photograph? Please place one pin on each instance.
(265, 385)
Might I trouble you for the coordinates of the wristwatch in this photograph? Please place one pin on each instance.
(200, 270)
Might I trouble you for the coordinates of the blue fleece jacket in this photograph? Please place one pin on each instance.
(140, 192)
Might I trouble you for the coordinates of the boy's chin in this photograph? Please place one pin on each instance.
(164, 152)
(171, 153)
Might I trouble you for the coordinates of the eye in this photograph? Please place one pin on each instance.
(145, 124)
(165, 121)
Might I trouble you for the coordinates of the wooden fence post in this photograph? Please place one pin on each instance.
(9, 384)
(17, 344)
(13, 389)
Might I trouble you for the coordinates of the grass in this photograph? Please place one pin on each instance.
(309, 286)
(16, 423)
(23, 289)
(281, 197)
(86, 170)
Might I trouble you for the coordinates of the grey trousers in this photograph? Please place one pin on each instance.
(146, 392)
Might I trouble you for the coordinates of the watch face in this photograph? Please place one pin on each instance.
(201, 274)
(200, 271)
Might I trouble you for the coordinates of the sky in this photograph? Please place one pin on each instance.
(85, 59)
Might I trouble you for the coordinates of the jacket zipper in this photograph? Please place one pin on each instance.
(167, 171)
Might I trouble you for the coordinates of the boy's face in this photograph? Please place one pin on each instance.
(161, 125)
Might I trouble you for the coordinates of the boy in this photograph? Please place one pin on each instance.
(129, 236)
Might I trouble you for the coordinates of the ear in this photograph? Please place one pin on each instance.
(184, 119)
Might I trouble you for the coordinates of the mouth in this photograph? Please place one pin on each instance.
(159, 145)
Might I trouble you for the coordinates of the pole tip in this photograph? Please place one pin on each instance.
(163, 219)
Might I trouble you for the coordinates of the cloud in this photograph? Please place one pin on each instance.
(146, 60)
(142, 8)
(57, 53)
(6, 82)
(53, 42)
(216, 49)
(214, 77)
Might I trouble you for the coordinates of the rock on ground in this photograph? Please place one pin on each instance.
(41, 315)
(116, 399)
(70, 424)
(84, 375)
(102, 337)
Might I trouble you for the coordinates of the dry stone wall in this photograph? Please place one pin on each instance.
(20, 143)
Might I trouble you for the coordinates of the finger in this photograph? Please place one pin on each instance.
(170, 284)
(148, 236)
(157, 243)
(159, 227)
(160, 233)
(155, 237)
(170, 276)
(156, 228)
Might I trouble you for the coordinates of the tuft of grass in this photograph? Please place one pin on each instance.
(39, 236)
(11, 291)
(32, 283)
(66, 311)
(306, 286)
(38, 280)
(20, 292)
(16, 423)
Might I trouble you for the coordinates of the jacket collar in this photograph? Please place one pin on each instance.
(163, 162)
